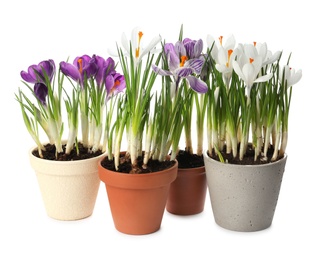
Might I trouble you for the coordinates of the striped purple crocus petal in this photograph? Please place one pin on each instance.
(180, 49)
(184, 72)
(160, 71)
(197, 84)
(195, 64)
(172, 56)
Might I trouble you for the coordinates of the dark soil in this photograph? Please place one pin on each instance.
(187, 160)
(84, 153)
(126, 166)
(248, 158)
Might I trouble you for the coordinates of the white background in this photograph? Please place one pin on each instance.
(31, 31)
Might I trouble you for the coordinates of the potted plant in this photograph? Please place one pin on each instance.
(182, 64)
(138, 177)
(66, 169)
(247, 125)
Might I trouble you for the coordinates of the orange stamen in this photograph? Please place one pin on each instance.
(251, 60)
(220, 39)
(229, 54)
(137, 50)
(116, 83)
(80, 65)
(183, 59)
(254, 44)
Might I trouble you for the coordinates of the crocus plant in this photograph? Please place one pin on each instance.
(94, 81)
(134, 110)
(249, 97)
(182, 67)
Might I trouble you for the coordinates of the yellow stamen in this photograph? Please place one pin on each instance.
(251, 60)
(80, 65)
(137, 50)
(220, 39)
(183, 59)
(229, 54)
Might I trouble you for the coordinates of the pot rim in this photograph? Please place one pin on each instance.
(32, 156)
(207, 157)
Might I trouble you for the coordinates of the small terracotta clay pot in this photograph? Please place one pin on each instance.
(137, 201)
(187, 193)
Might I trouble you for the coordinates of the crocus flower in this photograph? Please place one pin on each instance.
(41, 91)
(184, 61)
(114, 84)
(83, 66)
(290, 75)
(138, 51)
(39, 74)
(105, 68)
(248, 70)
(35, 73)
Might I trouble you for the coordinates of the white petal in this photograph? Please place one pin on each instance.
(264, 78)
(238, 70)
(151, 45)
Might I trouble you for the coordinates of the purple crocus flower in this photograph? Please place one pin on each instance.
(114, 84)
(37, 74)
(41, 91)
(105, 68)
(184, 61)
(83, 66)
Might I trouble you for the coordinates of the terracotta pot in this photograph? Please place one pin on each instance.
(137, 201)
(187, 193)
(244, 197)
(68, 188)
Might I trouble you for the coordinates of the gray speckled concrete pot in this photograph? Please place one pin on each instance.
(244, 197)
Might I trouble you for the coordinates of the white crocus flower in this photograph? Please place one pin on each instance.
(229, 44)
(290, 75)
(138, 51)
(248, 69)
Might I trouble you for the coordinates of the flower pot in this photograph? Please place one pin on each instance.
(244, 197)
(137, 201)
(68, 188)
(187, 193)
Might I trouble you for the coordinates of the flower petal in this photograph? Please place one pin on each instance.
(197, 84)
(195, 64)
(70, 71)
(161, 71)
(184, 72)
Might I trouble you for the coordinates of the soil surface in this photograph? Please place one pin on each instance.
(248, 158)
(84, 153)
(187, 160)
(126, 166)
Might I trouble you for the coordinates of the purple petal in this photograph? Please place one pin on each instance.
(161, 71)
(28, 77)
(184, 72)
(48, 66)
(109, 84)
(172, 56)
(41, 91)
(70, 71)
(195, 64)
(197, 84)
(198, 47)
(180, 49)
